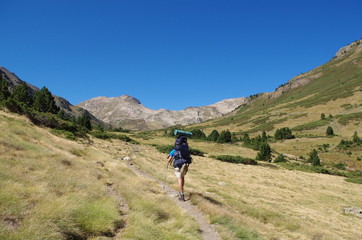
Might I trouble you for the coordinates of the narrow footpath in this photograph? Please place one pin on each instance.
(207, 230)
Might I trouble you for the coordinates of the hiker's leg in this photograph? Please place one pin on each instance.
(181, 182)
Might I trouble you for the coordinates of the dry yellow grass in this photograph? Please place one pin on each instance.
(261, 201)
(48, 182)
(52, 188)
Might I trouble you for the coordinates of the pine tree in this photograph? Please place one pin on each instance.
(356, 139)
(246, 139)
(197, 133)
(314, 158)
(214, 135)
(264, 153)
(264, 137)
(225, 137)
(4, 90)
(21, 94)
(44, 101)
(329, 131)
(84, 121)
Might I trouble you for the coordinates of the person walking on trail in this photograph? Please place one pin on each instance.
(181, 160)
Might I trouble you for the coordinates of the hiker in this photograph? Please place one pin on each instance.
(181, 156)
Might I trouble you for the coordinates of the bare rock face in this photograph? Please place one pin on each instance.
(128, 112)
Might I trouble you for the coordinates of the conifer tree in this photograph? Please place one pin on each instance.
(21, 94)
(264, 136)
(4, 89)
(356, 138)
(264, 153)
(84, 121)
(197, 133)
(44, 101)
(225, 137)
(246, 139)
(314, 158)
(214, 135)
(329, 131)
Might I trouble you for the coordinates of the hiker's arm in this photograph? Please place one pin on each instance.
(169, 159)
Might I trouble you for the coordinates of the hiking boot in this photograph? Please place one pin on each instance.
(181, 197)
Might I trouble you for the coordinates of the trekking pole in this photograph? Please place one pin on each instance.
(166, 172)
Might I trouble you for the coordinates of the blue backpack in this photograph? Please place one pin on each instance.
(182, 153)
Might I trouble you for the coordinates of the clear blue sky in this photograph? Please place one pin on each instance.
(171, 53)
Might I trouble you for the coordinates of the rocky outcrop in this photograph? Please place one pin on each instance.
(344, 50)
(128, 112)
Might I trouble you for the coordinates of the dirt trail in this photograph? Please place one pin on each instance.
(207, 230)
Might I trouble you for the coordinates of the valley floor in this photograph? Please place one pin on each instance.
(52, 188)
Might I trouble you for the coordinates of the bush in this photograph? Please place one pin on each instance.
(107, 135)
(280, 158)
(236, 159)
(15, 106)
(168, 148)
(53, 121)
(283, 133)
(341, 166)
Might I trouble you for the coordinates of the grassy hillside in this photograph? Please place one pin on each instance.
(52, 188)
(333, 90)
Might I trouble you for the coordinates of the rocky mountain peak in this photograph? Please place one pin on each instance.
(129, 99)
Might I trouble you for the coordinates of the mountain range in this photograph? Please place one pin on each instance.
(319, 86)
(128, 112)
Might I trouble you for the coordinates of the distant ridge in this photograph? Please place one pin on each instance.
(128, 112)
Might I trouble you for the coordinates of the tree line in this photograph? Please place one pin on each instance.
(40, 107)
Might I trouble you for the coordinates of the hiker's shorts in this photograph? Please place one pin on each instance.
(181, 172)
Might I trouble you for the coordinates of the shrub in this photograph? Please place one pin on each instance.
(341, 166)
(15, 106)
(214, 135)
(345, 144)
(283, 133)
(168, 148)
(106, 135)
(280, 158)
(236, 159)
